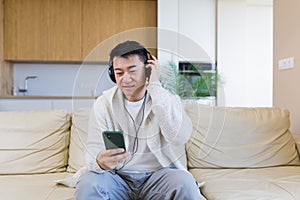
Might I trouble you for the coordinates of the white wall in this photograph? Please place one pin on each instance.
(62, 79)
(244, 44)
(245, 52)
(192, 23)
(197, 20)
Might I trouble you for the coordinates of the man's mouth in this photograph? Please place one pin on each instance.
(128, 87)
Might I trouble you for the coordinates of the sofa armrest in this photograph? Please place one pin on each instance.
(297, 141)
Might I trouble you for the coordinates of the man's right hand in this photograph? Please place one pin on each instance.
(109, 159)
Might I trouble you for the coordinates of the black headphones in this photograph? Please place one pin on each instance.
(111, 72)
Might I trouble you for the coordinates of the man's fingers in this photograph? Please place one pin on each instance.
(112, 152)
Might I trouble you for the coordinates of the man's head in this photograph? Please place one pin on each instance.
(127, 65)
(129, 48)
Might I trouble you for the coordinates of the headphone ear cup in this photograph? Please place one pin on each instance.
(111, 74)
(148, 55)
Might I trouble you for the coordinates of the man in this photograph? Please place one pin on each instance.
(153, 122)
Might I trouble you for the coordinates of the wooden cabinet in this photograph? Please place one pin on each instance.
(102, 19)
(99, 22)
(139, 14)
(43, 30)
(68, 30)
(6, 68)
(61, 40)
(23, 30)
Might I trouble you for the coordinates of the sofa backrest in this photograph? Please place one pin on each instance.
(239, 137)
(34, 141)
(78, 139)
(38, 141)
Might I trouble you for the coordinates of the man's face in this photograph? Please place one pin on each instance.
(130, 76)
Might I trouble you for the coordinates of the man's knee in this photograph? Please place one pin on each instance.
(106, 185)
(180, 178)
(92, 185)
(183, 184)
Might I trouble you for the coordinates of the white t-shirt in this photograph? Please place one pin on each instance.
(143, 160)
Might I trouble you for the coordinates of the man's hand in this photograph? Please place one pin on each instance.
(109, 159)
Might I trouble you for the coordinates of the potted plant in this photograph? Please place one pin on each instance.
(191, 83)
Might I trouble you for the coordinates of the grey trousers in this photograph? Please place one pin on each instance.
(166, 183)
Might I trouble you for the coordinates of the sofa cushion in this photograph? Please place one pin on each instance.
(34, 141)
(78, 139)
(35, 187)
(244, 184)
(239, 137)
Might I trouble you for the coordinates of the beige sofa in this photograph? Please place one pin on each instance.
(240, 153)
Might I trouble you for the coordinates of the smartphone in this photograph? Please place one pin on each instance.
(113, 139)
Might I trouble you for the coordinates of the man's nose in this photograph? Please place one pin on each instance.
(127, 77)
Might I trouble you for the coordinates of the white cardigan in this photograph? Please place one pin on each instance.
(166, 125)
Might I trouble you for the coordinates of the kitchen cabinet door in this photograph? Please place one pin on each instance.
(103, 19)
(99, 22)
(43, 30)
(139, 14)
(23, 30)
(6, 68)
(61, 30)
(68, 30)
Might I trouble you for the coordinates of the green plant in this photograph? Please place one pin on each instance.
(171, 79)
(189, 85)
(204, 85)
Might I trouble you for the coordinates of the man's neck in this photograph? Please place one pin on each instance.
(134, 98)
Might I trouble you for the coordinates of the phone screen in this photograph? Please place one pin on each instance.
(113, 139)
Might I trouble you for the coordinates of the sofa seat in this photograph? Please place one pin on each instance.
(244, 184)
(37, 186)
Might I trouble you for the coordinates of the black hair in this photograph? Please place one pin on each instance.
(129, 48)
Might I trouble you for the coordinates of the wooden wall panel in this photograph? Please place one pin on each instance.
(6, 69)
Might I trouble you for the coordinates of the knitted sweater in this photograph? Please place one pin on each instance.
(165, 123)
